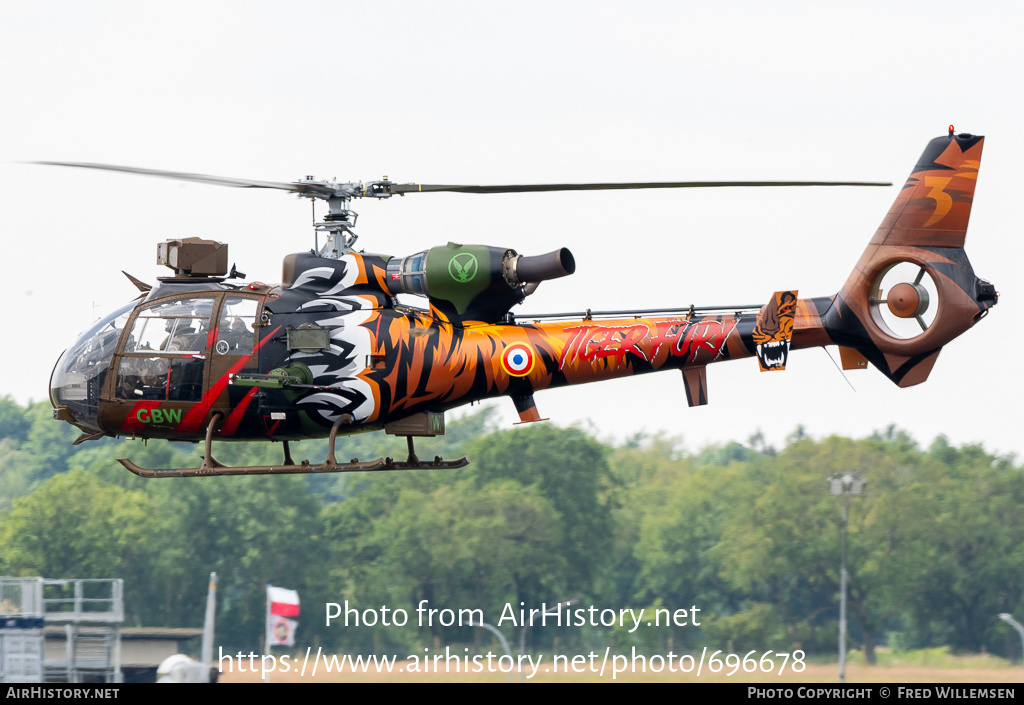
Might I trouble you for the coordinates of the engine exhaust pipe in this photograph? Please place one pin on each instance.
(539, 268)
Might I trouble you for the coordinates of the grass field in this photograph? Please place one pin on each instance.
(924, 666)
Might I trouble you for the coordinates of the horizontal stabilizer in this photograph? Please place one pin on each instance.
(852, 359)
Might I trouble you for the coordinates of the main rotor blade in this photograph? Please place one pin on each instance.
(356, 190)
(520, 188)
(297, 187)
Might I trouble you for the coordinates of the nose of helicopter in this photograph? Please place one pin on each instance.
(69, 395)
(78, 377)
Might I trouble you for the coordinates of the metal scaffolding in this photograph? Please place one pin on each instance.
(91, 613)
(21, 630)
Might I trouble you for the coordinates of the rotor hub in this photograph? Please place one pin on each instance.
(906, 300)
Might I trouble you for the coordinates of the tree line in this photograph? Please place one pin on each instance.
(747, 533)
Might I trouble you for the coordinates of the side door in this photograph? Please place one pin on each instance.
(161, 381)
(235, 349)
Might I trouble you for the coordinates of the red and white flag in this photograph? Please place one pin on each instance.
(282, 605)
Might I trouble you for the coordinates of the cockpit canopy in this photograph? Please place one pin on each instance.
(81, 372)
(161, 356)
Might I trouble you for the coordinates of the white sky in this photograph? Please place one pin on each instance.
(497, 92)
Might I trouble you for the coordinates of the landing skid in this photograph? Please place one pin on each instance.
(212, 467)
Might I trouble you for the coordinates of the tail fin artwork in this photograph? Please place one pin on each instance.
(914, 289)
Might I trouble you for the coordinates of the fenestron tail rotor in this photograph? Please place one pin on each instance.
(340, 220)
(906, 301)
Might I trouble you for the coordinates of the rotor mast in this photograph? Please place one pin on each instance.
(337, 225)
(340, 220)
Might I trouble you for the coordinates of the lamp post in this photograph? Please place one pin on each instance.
(846, 484)
(501, 638)
(1015, 624)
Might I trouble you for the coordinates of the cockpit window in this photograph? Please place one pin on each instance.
(236, 331)
(164, 354)
(181, 325)
(161, 378)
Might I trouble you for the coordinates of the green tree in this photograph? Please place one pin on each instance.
(251, 531)
(977, 565)
(75, 526)
(461, 545)
(643, 469)
(570, 469)
(13, 421)
(680, 528)
(784, 547)
(49, 441)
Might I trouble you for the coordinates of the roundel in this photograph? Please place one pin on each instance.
(517, 359)
(282, 629)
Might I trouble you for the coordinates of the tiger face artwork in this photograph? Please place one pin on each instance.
(774, 331)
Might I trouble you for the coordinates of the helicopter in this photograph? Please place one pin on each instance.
(331, 351)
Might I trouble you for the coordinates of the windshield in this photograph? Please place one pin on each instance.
(78, 378)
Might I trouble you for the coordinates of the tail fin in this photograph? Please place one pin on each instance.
(914, 289)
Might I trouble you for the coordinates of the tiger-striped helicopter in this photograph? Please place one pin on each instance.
(203, 356)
